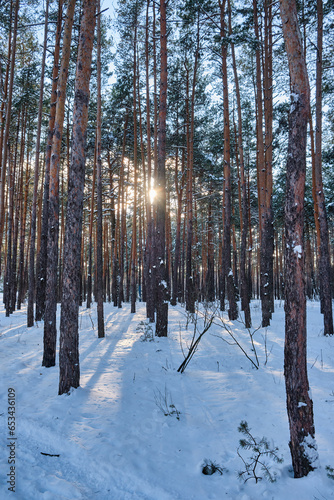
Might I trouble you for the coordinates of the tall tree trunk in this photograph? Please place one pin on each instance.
(268, 250)
(122, 215)
(227, 264)
(50, 327)
(99, 222)
(90, 235)
(135, 153)
(69, 335)
(299, 403)
(42, 255)
(21, 291)
(8, 274)
(148, 255)
(161, 290)
(244, 282)
(31, 292)
(324, 255)
(8, 120)
(264, 194)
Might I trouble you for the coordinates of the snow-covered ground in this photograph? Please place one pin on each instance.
(112, 436)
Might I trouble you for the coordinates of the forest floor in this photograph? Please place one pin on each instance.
(138, 429)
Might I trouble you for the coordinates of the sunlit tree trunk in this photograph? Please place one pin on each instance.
(299, 403)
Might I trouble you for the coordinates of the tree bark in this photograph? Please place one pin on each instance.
(244, 282)
(31, 292)
(299, 403)
(227, 263)
(160, 262)
(42, 255)
(69, 335)
(99, 222)
(12, 54)
(324, 256)
(135, 153)
(50, 327)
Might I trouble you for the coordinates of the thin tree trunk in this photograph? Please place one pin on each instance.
(8, 119)
(42, 255)
(90, 235)
(324, 255)
(31, 292)
(148, 256)
(99, 222)
(244, 283)
(135, 153)
(161, 290)
(227, 264)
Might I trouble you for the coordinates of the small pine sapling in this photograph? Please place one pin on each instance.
(146, 330)
(260, 450)
(330, 472)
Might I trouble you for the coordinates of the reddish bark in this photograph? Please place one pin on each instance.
(299, 402)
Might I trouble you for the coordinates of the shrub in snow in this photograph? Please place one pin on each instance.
(165, 404)
(209, 468)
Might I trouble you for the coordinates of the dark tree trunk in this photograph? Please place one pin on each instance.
(99, 222)
(160, 238)
(324, 255)
(135, 152)
(12, 56)
(42, 255)
(244, 278)
(227, 263)
(299, 404)
(69, 335)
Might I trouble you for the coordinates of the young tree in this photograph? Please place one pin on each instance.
(299, 403)
(69, 336)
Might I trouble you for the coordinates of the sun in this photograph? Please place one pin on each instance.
(153, 194)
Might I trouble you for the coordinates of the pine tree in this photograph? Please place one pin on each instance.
(299, 403)
(69, 335)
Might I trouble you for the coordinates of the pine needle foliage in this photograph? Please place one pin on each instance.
(261, 453)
